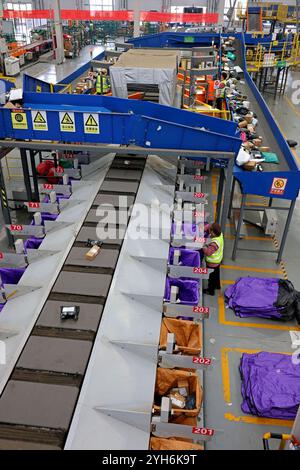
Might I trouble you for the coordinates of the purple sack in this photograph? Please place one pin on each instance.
(188, 290)
(11, 275)
(270, 385)
(253, 296)
(33, 243)
(187, 257)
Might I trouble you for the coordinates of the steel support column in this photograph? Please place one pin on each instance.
(226, 203)
(34, 176)
(220, 195)
(5, 208)
(238, 230)
(286, 230)
(231, 197)
(26, 174)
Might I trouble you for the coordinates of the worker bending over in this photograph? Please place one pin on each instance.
(213, 253)
(102, 82)
(221, 91)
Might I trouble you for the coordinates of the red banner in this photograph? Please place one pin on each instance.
(161, 17)
(121, 15)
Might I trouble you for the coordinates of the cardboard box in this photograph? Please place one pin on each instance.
(243, 124)
(248, 118)
(250, 166)
(257, 142)
(264, 149)
(92, 253)
(177, 400)
(183, 387)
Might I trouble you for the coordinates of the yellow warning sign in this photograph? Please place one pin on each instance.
(39, 120)
(67, 122)
(19, 120)
(38, 88)
(91, 123)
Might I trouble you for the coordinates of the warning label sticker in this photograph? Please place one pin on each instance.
(19, 119)
(38, 89)
(91, 123)
(67, 122)
(278, 186)
(39, 120)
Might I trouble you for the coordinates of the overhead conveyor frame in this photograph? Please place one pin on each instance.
(140, 126)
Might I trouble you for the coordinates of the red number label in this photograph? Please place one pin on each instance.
(34, 205)
(203, 431)
(198, 177)
(199, 195)
(16, 228)
(199, 239)
(1, 255)
(200, 270)
(48, 186)
(198, 309)
(202, 360)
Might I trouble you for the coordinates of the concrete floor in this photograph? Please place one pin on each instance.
(227, 336)
(51, 73)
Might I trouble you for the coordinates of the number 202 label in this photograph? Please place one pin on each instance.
(206, 361)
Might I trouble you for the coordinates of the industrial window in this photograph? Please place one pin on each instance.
(101, 5)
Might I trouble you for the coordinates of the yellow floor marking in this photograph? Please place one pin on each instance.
(225, 282)
(264, 204)
(214, 185)
(291, 105)
(227, 393)
(255, 270)
(257, 420)
(215, 209)
(249, 237)
(241, 324)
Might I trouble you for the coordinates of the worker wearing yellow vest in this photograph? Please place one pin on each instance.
(213, 253)
(220, 92)
(102, 82)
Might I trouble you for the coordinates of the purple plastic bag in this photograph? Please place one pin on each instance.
(188, 290)
(11, 275)
(270, 385)
(33, 243)
(254, 296)
(187, 257)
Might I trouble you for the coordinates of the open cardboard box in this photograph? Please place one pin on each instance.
(167, 379)
(173, 443)
(188, 335)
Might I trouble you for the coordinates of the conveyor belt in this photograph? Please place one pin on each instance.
(38, 401)
(263, 127)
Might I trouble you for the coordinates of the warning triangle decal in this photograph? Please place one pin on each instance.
(91, 121)
(39, 118)
(66, 119)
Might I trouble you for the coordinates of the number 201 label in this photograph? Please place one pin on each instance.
(203, 431)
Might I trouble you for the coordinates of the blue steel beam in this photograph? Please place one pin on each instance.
(120, 122)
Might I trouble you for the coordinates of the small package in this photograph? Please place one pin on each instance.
(177, 400)
(183, 386)
(243, 124)
(257, 142)
(250, 166)
(93, 252)
(264, 149)
(249, 118)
